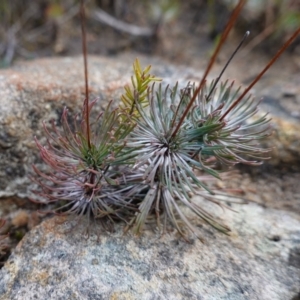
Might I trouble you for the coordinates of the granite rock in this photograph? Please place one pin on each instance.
(259, 260)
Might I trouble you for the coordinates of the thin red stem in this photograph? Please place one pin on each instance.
(271, 62)
(211, 62)
(84, 51)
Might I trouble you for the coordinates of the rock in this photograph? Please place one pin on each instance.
(36, 91)
(285, 143)
(260, 260)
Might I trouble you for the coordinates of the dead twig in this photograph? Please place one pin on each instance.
(107, 19)
(10, 47)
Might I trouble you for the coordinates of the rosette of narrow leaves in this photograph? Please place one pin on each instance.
(234, 139)
(165, 169)
(84, 176)
(137, 92)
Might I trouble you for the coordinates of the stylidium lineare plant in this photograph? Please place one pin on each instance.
(148, 157)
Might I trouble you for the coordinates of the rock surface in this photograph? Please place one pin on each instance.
(32, 92)
(260, 260)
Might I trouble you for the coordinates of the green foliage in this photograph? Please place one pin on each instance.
(85, 178)
(167, 164)
(137, 93)
(136, 167)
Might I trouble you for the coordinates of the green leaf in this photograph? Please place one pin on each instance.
(137, 92)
